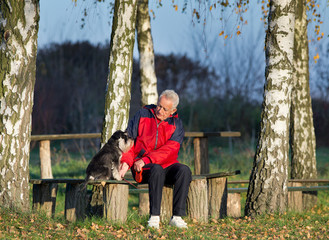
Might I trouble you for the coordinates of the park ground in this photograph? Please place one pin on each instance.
(309, 224)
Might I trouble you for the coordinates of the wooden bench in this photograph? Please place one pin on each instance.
(207, 197)
(295, 191)
(115, 198)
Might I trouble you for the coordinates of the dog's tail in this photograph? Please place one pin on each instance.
(84, 185)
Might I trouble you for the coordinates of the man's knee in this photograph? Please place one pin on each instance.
(156, 170)
(185, 171)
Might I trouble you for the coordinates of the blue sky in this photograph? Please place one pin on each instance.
(172, 31)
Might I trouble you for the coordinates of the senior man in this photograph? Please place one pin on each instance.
(158, 135)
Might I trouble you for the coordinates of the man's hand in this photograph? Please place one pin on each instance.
(123, 169)
(138, 165)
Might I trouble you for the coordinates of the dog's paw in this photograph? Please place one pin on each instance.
(118, 178)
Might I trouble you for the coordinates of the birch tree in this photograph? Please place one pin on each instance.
(267, 190)
(303, 161)
(148, 83)
(19, 28)
(117, 100)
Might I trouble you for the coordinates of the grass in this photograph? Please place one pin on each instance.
(311, 224)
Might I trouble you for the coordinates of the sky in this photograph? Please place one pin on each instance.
(172, 31)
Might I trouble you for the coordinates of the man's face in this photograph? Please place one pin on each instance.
(164, 108)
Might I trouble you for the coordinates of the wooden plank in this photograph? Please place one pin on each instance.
(290, 180)
(77, 181)
(310, 189)
(238, 182)
(219, 175)
(213, 134)
(98, 135)
(237, 190)
(309, 180)
(64, 136)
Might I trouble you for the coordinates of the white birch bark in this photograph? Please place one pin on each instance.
(268, 181)
(117, 100)
(19, 29)
(148, 83)
(303, 161)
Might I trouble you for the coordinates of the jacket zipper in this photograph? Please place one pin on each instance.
(157, 133)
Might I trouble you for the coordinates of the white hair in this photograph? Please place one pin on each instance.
(172, 96)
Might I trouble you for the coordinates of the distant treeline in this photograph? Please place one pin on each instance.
(71, 84)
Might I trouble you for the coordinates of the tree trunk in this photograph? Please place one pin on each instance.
(19, 31)
(146, 55)
(117, 100)
(303, 160)
(268, 186)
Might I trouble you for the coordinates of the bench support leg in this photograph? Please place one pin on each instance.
(295, 198)
(75, 202)
(217, 195)
(197, 200)
(116, 202)
(234, 205)
(44, 198)
(144, 204)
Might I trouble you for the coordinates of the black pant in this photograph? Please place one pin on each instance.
(178, 175)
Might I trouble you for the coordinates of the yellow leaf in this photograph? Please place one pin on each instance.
(221, 33)
(176, 7)
(226, 36)
(238, 33)
(210, 8)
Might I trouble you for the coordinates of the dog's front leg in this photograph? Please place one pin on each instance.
(116, 175)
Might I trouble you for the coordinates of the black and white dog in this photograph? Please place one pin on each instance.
(105, 164)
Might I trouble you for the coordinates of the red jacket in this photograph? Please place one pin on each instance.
(155, 141)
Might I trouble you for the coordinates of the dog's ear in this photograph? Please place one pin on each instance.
(117, 135)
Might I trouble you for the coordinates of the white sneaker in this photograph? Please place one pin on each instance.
(154, 222)
(177, 221)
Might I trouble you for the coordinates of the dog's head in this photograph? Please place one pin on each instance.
(124, 141)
